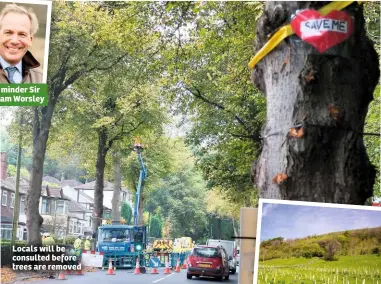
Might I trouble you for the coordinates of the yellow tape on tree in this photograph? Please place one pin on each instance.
(286, 31)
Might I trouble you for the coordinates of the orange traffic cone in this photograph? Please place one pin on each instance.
(167, 270)
(185, 265)
(61, 276)
(177, 269)
(110, 270)
(154, 271)
(137, 268)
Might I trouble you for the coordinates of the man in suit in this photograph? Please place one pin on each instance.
(17, 29)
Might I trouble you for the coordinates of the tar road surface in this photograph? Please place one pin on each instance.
(123, 276)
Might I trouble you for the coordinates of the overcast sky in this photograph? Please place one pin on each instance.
(298, 221)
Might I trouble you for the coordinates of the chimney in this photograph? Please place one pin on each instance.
(3, 166)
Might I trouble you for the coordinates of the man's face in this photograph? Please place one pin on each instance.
(15, 37)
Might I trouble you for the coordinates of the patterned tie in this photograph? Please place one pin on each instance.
(11, 71)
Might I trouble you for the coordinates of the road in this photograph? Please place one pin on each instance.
(126, 276)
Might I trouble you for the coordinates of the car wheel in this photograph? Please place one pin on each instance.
(220, 278)
(227, 277)
(189, 276)
(234, 271)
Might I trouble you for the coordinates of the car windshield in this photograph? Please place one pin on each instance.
(115, 235)
(206, 252)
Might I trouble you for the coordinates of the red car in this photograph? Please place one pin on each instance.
(208, 261)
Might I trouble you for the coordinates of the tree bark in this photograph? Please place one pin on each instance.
(117, 187)
(40, 138)
(234, 227)
(99, 181)
(324, 96)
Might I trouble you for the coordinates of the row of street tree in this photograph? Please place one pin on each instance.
(119, 72)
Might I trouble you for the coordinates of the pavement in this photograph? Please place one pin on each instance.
(123, 276)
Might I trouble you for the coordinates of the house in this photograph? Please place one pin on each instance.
(7, 209)
(85, 203)
(108, 191)
(8, 192)
(79, 223)
(54, 209)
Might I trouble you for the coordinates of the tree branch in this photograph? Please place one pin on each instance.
(74, 77)
(121, 134)
(254, 137)
(198, 95)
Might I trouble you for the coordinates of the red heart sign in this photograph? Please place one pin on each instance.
(322, 32)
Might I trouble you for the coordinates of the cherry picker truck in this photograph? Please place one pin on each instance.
(121, 243)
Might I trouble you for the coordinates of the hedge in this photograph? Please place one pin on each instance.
(6, 251)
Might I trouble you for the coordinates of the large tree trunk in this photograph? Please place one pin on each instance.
(234, 227)
(41, 129)
(328, 97)
(117, 187)
(99, 181)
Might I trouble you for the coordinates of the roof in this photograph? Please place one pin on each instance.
(107, 186)
(76, 207)
(55, 192)
(52, 192)
(91, 186)
(71, 182)
(51, 179)
(10, 184)
(87, 197)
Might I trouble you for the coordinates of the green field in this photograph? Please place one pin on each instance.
(347, 269)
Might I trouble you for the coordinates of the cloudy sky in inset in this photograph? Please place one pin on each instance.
(299, 221)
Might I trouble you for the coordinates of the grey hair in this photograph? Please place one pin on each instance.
(13, 8)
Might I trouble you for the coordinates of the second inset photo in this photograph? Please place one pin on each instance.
(306, 242)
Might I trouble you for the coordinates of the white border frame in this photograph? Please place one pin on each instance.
(47, 32)
(303, 203)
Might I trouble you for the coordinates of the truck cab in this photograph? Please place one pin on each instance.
(122, 243)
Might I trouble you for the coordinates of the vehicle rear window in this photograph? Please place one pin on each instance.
(206, 252)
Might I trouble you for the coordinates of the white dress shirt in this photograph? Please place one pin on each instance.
(17, 77)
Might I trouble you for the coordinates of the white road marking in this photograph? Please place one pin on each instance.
(161, 278)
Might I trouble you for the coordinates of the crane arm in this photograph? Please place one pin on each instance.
(142, 177)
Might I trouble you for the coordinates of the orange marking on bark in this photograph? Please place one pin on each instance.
(279, 178)
(310, 76)
(334, 111)
(296, 132)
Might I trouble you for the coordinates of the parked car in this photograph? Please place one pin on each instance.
(209, 261)
(231, 248)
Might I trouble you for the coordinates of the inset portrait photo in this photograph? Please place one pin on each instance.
(307, 242)
(24, 41)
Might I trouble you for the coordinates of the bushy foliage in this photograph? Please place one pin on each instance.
(328, 246)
